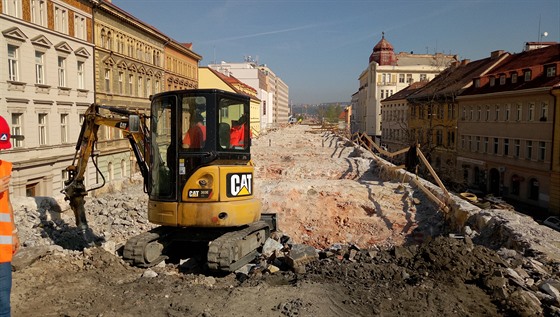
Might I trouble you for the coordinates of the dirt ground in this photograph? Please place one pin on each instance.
(381, 253)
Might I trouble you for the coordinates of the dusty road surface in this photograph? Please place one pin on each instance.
(375, 251)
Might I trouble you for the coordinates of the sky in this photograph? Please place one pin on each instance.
(320, 47)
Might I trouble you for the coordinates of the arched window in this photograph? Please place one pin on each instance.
(102, 44)
(109, 41)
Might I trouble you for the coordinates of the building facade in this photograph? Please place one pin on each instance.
(507, 128)
(386, 74)
(434, 113)
(394, 119)
(46, 87)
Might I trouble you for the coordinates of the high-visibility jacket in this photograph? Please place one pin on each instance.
(195, 136)
(237, 137)
(5, 218)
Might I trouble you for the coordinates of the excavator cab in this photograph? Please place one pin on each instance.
(201, 172)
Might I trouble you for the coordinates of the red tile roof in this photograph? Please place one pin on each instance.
(536, 60)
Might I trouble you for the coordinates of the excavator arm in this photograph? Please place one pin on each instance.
(134, 128)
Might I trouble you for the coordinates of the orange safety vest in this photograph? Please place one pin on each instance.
(5, 218)
(237, 137)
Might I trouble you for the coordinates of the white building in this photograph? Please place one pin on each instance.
(45, 89)
(271, 90)
(386, 74)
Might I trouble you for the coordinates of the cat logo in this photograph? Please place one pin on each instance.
(239, 185)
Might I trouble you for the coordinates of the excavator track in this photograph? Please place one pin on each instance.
(234, 249)
(146, 249)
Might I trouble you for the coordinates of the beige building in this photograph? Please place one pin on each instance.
(272, 91)
(133, 61)
(209, 78)
(386, 74)
(394, 119)
(46, 83)
(507, 128)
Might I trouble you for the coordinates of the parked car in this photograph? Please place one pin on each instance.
(552, 222)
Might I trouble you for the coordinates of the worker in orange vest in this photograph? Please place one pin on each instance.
(9, 242)
(237, 134)
(196, 135)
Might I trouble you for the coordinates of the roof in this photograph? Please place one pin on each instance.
(456, 78)
(535, 60)
(235, 84)
(404, 93)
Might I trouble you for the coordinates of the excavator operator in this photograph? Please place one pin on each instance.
(196, 134)
(237, 134)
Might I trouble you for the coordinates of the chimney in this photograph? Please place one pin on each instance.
(465, 62)
(496, 54)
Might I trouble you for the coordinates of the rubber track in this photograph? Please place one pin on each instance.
(219, 251)
(134, 248)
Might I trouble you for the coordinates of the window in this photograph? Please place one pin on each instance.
(17, 129)
(529, 150)
(527, 75)
(496, 144)
(39, 12)
(551, 71)
(531, 111)
(39, 67)
(64, 128)
(81, 77)
(423, 77)
(450, 111)
(492, 81)
(108, 80)
(401, 78)
(42, 125)
(502, 79)
(479, 113)
(109, 40)
(13, 63)
(471, 115)
(544, 111)
(60, 20)
(61, 72)
(514, 78)
(450, 138)
(148, 87)
(518, 113)
(469, 138)
(121, 83)
(508, 110)
(12, 7)
(542, 150)
(478, 144)
(517, 148)
(409, 79)
(477, 83)
(140, 88)
(80, 27)
(487, 113)
(497, 117)
(439, 137)
(156, 88)
(485, 149)
(130, 80)
(506, 147)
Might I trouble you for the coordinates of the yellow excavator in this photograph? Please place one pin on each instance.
(193, 151)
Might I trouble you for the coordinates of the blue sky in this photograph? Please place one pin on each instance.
(320, 47)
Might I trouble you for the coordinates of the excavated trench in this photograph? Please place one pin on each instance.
(379, 248)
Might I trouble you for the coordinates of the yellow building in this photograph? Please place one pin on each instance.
(181, 66)
(554, 206)
(209, 78)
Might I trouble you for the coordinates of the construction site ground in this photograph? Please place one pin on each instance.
(383, 249)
